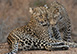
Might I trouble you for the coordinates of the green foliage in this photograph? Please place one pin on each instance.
(36, 3)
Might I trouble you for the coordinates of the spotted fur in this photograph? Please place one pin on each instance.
(35, 35)
(58, 17)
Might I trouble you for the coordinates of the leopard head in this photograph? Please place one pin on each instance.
(56, 13)
(40, 15)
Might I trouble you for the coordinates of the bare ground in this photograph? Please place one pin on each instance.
(15, 13)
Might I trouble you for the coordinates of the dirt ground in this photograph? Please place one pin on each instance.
(15, 13)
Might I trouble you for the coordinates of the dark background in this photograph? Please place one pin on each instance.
(15, 13)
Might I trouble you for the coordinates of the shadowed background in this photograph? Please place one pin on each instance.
(15, 13)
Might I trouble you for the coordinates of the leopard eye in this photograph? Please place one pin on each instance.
(41, 21)
(56, 10)
(41, 16)
(46, 15)
(45, 20)
(55, 18)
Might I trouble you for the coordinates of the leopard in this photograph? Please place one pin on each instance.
(60, 21)
(35, 35)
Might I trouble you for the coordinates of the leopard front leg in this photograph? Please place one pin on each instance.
(32, 43)
(56, 33)
(56, 46)
(14, 47)
(67, 32)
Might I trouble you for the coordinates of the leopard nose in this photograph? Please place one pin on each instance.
(48, 23)
(41, 21)
(52, 24)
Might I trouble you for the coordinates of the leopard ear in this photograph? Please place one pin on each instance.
(46, 6)
(31, 10)
(54, 2)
